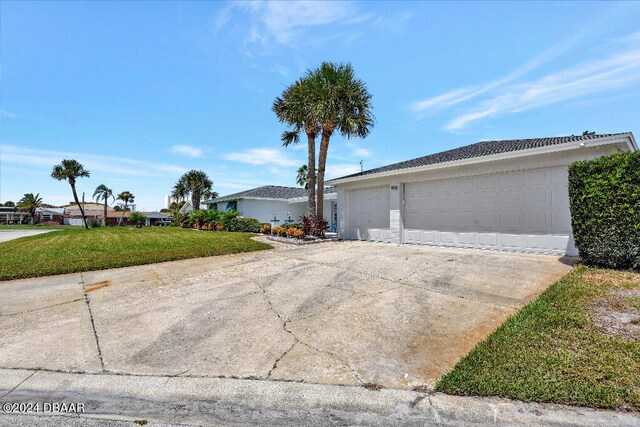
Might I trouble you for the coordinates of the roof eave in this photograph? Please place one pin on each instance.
(627, 138)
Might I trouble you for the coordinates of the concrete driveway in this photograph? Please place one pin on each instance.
(333, 313)
(6, 235)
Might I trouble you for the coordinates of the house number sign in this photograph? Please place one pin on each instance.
(394, 187)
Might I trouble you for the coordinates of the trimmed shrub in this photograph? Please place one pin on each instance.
(604, 196)
(249, 225)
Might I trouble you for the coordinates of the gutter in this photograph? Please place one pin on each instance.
(626, 138)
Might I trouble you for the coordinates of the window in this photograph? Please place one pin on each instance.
(232, 206)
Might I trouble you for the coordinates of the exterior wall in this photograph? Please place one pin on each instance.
(348, 192)
(263, 210)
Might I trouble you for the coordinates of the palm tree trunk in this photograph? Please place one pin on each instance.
(75, 198)
(104, 214)
(322, 162)
(124, 211)
(311, 174)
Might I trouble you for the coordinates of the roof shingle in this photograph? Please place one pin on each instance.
(480, 149)
(268, 192)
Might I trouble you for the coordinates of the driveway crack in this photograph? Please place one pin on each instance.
(93, 324)
(18, 385)
(41, 308)
(297, 340)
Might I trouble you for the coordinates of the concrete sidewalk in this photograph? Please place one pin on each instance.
(111, 399)
(7, 235)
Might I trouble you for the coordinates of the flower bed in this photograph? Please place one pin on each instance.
(303, 241)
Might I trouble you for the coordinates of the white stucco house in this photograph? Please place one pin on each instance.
(272, 201)
(508, 195)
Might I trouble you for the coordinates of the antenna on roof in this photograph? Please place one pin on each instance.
(361, 165)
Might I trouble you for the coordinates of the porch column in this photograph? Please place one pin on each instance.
(395, 212)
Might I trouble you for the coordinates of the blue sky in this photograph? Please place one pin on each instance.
(141, 92)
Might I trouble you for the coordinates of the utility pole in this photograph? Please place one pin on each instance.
(361, 165)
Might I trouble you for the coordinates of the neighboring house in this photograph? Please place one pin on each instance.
(10, 215)
(510, 195)
(92, 211)
(50, 215)
(153, 218)
(272, 202)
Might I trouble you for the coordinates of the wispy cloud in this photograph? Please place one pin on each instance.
(11, 154)
(187, 150)
(614, 72)
(290, 22)
(361, 152)
(506, 95)
(336, 171)
(262, 156)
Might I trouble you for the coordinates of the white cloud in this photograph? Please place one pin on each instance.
(361, 152)
(614, 72)
(94, 163)
(285, 22)
(262, 156)
(506, 95)
(186, 150)
(337, 171)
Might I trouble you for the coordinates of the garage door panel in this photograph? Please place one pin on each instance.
(368, 213)
(521, 210)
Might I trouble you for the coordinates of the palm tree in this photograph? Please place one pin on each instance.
(127, 197)
(294, 107)
(105, 193)
(70, 170)
(303, 177)
(196, 185)
(343, 103)
(29, 203)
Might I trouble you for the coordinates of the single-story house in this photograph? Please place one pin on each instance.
(50, 215)
(153, 218)
(272, 202)
(508, 195)
(11, 215)
(92, 211)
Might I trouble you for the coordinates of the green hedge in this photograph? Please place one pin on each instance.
(249, 225)
(604, 196)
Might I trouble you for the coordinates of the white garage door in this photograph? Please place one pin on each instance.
(368, 214)
(525, 210)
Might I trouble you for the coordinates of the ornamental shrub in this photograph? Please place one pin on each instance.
(604, 195)
(248, 225)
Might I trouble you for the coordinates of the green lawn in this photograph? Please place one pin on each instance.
(552, 351)
(77, 249)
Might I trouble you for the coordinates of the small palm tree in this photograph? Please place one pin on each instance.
(295, 108)
(103, 193)
(29, 203)
(303, 177)
(70, 170)
(341, 102)
(127, 197)
(137, 219)
(196, 185)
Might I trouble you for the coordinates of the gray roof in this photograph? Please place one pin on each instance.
(480, 149)
(269, 192)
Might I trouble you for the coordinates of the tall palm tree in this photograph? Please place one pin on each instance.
(294, 107)
(343, 103)
(303, 177)
(127, 197)
(105, 193)
(70, 170)
(29, 203)
(196, 185)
